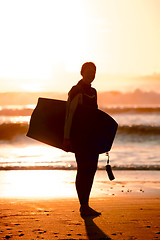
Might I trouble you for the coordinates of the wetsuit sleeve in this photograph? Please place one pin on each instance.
(71, 108)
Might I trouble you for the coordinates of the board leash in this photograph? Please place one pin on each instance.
(109, 169)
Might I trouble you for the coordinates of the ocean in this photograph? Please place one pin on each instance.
(135, 154)
(136, 145)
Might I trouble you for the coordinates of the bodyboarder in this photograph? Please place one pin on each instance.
(82, 93)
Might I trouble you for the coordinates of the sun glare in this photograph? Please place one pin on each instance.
(40, 42)
(37, 184)
(31, 87)
(71, 32)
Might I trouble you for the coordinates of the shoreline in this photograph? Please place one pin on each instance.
(61, 184)
(123, 217)
(132, 168)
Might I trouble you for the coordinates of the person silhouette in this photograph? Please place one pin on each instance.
(83, 94)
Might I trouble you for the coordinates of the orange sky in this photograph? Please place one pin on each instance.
(43, 44)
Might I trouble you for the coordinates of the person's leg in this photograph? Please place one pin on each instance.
(86, 168)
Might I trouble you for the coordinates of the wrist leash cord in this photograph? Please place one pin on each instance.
(109, 169)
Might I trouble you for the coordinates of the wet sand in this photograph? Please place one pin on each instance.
(123, 217)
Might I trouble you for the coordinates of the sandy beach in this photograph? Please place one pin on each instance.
(123, 217)
(44, 205)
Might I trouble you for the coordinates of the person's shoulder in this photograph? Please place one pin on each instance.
(74, 91)
(94, 90)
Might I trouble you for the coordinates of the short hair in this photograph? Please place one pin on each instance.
(86, 65)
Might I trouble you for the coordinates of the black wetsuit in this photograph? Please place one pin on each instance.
(86, 162)
(89, 94)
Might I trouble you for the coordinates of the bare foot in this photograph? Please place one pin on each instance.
(86, 211)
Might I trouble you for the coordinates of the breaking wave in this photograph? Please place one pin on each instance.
(132, 110)
(139, 130)
(10, 130)
(26, 111)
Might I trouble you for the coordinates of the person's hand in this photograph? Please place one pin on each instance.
(67, 146)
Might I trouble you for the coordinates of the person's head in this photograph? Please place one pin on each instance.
(88, 72)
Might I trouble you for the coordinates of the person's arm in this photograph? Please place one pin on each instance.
(71, 108)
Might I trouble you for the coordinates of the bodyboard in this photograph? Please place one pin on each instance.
(92, 129)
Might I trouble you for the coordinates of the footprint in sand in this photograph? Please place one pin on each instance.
(42, 232)
(55, 234)
(22, 234)
(8, 236)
